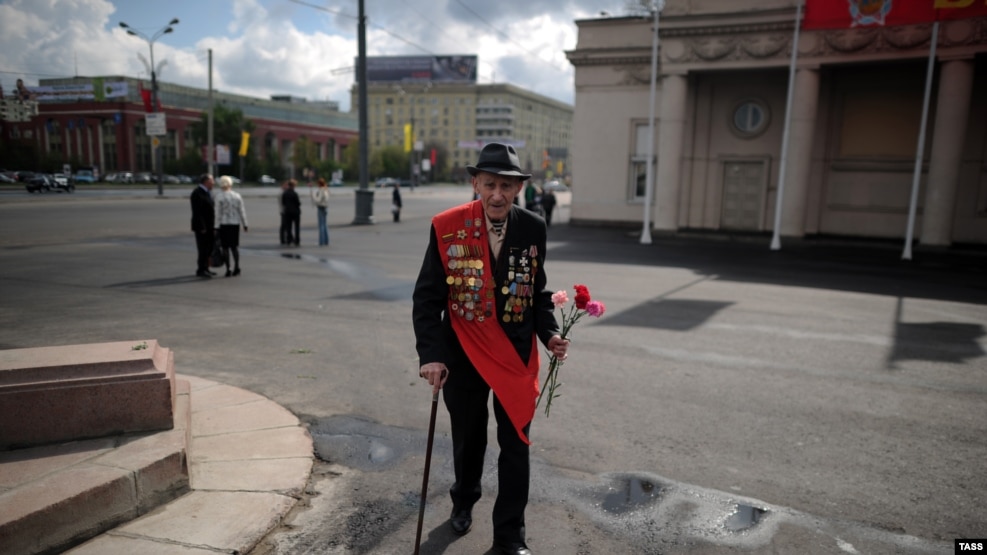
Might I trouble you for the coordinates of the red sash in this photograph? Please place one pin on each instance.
(461, 233)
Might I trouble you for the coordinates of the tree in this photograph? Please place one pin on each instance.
(228, 127)
(389, 161)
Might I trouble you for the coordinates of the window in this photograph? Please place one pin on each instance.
(750, 118)
(639, 163)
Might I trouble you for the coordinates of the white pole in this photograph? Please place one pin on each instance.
(649, 183)
(920, 150)
(776, 236)
(209, 126)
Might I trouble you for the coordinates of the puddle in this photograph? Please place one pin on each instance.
(364, 445)
(744, 518)
(630, 494)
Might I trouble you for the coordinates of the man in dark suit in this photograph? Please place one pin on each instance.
(203, 219)
(479, 305)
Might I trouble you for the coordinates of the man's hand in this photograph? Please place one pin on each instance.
(558, 347)
(436, 374)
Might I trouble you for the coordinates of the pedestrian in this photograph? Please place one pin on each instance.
(480, 297)
(203, 218)
(283, 230)
(292, 213)
(320, 198)
(396, 204)
(230, 215)
(548, 202)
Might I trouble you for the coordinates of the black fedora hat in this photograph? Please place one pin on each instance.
(500, 159)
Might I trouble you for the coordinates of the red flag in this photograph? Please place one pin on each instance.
(146, 96)
(838, 14)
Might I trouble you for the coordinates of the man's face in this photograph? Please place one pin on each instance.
(208, 183)
(497, 193)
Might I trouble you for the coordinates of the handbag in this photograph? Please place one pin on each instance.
(216, 258)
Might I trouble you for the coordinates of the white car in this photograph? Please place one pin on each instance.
(267, 180)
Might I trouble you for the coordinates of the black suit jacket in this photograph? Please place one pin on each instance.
(435, 339)
(203, 216)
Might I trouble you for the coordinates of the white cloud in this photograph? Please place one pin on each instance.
(263, 47)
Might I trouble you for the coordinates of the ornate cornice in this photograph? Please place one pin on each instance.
(770, 43)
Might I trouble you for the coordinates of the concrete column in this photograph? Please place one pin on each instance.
(671, 121)
(89, 145)
(799, 162)
(99, 148)
(952, 111)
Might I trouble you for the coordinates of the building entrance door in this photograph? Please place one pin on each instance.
(743, 195)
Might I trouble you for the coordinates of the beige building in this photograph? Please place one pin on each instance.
(720, 113)
(464, 116)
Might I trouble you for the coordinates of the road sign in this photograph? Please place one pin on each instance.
(156, 124)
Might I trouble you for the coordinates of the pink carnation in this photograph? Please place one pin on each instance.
(595, 308)
(559, 298)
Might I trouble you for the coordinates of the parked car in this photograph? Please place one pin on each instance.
(386, 182)
(61, 182)
(5, 178)
(85, 176)
(39, 183)
(143, 177)
(267, 180)
(555, 187)
(336, 183)
(184, 179)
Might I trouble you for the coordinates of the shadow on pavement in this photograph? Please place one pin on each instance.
(844, 265)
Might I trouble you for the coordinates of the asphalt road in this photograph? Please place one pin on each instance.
(820, 399)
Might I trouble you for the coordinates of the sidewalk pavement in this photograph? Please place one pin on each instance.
(249, 461)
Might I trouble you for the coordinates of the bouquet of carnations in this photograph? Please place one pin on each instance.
(583, 305)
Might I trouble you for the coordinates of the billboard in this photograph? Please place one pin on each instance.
(97, 89)
(397, 69)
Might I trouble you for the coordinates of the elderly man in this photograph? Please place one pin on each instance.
(480, 306)
(203, 219)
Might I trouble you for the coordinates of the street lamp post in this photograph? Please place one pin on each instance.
(158, 154)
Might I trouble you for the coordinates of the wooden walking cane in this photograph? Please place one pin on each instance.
(428, 462)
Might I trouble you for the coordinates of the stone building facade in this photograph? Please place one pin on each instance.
(720, 110)
(464, 116)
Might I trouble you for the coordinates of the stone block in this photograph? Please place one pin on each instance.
(52, 514)
(57, 394)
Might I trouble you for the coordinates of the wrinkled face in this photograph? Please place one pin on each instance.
(497, 193)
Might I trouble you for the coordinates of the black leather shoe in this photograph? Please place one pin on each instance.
(511, 548)
(203, 274)
(210, 272)
(461, 521)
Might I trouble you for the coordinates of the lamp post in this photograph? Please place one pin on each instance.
(158, 158)
(649, 179)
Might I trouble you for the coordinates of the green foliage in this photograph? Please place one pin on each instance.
(191, 163)
(350, 162)
(228, 125)
(389, 161)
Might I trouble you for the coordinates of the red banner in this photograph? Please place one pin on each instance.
(839, 14)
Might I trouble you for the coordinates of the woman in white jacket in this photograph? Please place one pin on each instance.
(230, 215)
(320, 197)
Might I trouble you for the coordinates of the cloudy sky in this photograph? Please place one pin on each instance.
(300, 47)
